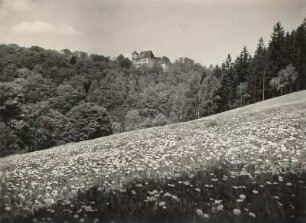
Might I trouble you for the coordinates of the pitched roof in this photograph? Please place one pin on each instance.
(161, 60)
(146, 54)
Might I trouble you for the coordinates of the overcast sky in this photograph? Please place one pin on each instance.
(204, 30)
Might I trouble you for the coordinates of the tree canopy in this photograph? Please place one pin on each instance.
(48, 98)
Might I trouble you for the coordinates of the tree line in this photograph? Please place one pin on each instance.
(49, 98)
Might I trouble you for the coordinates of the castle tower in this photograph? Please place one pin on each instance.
(134, 57)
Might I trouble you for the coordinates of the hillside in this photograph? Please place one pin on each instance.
(45, 95)
(266, 138)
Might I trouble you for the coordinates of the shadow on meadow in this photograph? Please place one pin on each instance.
(212, 195)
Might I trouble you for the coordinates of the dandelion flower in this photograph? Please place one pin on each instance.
(199, 212)
(237, 211)
(49, 201)
(162, 203)
(175, 198)
(76, 216)
(252, 215)
(205, 216)
(220, 207)
(167, 194)
(242, 196)
(88, 208)
(187, 183)
(7, 208)
(154, 191)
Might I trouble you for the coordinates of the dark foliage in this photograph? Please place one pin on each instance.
(48, 98)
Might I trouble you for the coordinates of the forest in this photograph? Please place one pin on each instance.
(48, 97)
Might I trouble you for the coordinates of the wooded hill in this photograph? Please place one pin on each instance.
(48, 98)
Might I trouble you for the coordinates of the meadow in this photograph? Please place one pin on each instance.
(245, 165)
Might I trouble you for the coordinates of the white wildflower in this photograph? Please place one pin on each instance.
(254, 191)
(237, 211)
(199, 212)
(205, 216)
(242, 196)
(162, 203)
(7, 208)
(220, 207)
(252, 215)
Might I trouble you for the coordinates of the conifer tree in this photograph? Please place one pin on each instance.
(299, 61)
(256, 78)
(276, 55)
(240, 71)
(227, 88)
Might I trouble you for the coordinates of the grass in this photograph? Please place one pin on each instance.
(207, 170)
(264, 198)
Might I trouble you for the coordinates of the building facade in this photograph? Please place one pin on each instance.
(146, 59)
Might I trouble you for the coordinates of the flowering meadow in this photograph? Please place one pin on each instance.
(245, 165)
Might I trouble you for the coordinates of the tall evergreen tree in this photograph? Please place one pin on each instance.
(240, 71)
(276, 55)
(257, 74)
(227, 88)
(299, 60)
(242, 65)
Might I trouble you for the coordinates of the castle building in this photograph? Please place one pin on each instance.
(146, 59)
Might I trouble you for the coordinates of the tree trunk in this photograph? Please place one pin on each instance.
(263, 85)
(241, 97)
(298, 73)
(281, 91)
(198, 112)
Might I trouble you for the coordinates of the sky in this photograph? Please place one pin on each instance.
(203, 30)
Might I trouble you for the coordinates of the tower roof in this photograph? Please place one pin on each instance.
(146, 54)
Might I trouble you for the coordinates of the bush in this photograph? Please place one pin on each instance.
(90, 121)
(159, 120)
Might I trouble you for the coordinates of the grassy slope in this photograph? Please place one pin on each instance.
(264, 138)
